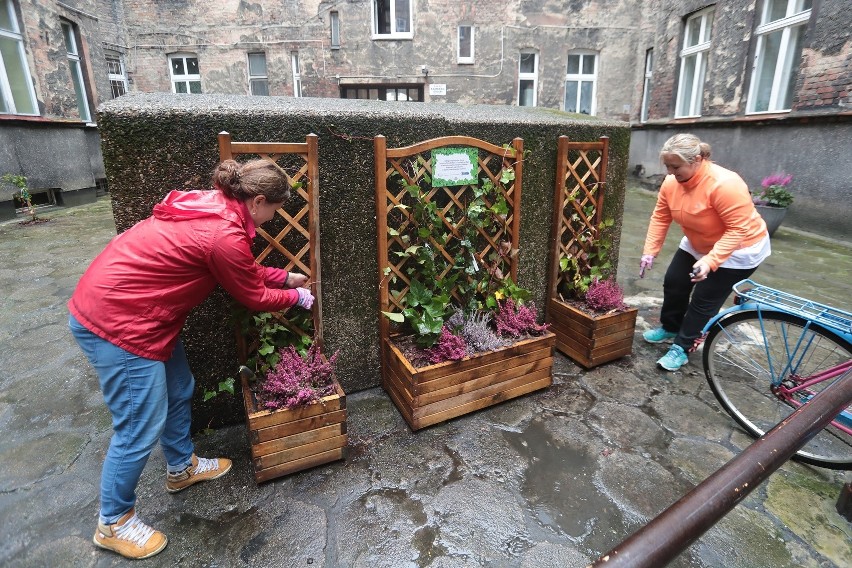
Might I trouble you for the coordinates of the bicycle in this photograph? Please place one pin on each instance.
(772, 352)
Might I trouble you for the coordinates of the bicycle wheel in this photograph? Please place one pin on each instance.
(740, 361)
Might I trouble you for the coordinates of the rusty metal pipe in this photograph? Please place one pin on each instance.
(672, 531)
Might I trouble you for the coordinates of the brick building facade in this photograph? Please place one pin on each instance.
(663, 65)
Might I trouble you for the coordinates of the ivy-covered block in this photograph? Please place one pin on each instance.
(429, 395)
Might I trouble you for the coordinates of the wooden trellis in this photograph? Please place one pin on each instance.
(292, 242)
(577, 204)
(413, 166)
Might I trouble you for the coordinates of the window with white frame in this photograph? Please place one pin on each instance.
(334, 22)
(527, 78)
(646, 85)
(777, 54)
(258, 80)
(581, 82)
(116, 74)
(693, 63)
(297, 74)
(392, 19)
(183, 68)
(17, 95)
(75, 66)
(464, 54)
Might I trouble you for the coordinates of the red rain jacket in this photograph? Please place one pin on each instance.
(139, 290)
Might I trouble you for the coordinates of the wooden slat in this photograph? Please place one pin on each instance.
(299, 452)
(299, 464)
(297, 426)
(259, 419)
(294, 440)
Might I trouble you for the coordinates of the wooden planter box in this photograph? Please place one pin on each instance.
(289, 440)
(591, 340)
(436, 393)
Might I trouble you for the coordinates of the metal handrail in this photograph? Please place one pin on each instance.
(672, 531)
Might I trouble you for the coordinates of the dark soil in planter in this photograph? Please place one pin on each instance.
(418, 356)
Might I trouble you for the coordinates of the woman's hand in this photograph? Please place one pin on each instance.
(306, 299)
(295, 280)
(645, 263)
(700, 271)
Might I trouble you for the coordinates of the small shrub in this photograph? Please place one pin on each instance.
(517, 320)
(775, 192)
(478, 333)
(605, 295)
(449, 347)
(296, 380)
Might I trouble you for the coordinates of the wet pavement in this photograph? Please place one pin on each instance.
(552, 479)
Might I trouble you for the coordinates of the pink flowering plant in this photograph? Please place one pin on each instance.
(605, 295)
(297, 380)
(517, 320)
(774, 191)
(449, 347)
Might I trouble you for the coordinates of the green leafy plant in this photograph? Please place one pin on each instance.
(267, 334)
(23, 193)
(774, 191)
(224, 386)
(581, 269)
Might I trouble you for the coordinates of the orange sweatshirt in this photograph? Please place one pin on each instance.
(714, 210)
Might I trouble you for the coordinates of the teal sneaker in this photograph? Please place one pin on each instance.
(658, 335)
(674, 359)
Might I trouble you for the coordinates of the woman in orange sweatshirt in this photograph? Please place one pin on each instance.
(725, 239)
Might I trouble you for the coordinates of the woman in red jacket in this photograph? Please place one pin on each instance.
(724, 241)
(127, 312)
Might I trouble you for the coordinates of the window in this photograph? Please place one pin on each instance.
(392, 19)
(75, 66)
(117, 74)
(405, 93)
(334, 20)
(465, 47)
(777, 54)
(17, 95)
(186, 78)
(258, 81)
(646, 86)
(527, 79)
(297, 74)
(580, 82)
(693, 63)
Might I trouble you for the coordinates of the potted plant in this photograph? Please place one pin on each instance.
(773, 199)
(295, 408)
(22, 195)
(457, 332)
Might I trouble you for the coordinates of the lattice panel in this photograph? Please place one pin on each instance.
(494, 247)
(291, 239)
(578, 204)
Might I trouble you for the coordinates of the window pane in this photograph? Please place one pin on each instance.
(528, 63)
(573, 64)
(464, 41)
(192, 66)
(257, 63)
(699, 93)
(78, 89)
(6, 22)
(766, 70)
(17, 75)
(117, 88)
(180, 87)
(685, 95)
(70, 44)
(649, 61)
(791, 63)
(373, 94)
(113, 66)
(402, 16)
(177, 66)
(571, 96)
(775, 10)
(708, 28)
(526, 92)
(382, 16)
(413, 95)
(693, 28)
(586, 97)
(259, 87)
(588, 64)
(334, 18)
(195, 87)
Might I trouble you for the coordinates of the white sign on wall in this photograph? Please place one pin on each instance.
(437, 89)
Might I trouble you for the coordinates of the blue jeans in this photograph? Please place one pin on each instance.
(149, 401)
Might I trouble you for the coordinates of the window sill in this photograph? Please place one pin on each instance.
(392, 36)
(32, 119)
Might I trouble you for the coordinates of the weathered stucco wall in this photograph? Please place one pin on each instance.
(155, 143)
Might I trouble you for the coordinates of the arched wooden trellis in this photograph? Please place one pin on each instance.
(578, 202)
(436, 393)
(289, 440)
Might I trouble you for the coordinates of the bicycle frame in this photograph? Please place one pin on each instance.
(787, 382)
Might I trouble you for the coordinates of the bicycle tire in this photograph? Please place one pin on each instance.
(737, 366)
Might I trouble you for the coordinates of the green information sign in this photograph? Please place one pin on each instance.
(455, 166)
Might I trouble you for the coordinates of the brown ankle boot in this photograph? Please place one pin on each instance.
(130, 537)
(201, 469)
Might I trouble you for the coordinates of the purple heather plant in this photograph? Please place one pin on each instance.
(517, 320)
(296, 380)
(605, 295)
(478, 333)
(775, 192)
(449, 347)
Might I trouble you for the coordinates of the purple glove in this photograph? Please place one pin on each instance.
(306, 299)
(646, 263)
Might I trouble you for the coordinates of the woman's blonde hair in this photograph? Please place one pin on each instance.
(257, 177)
(687, 147)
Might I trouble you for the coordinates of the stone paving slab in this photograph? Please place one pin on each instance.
(551, 479)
